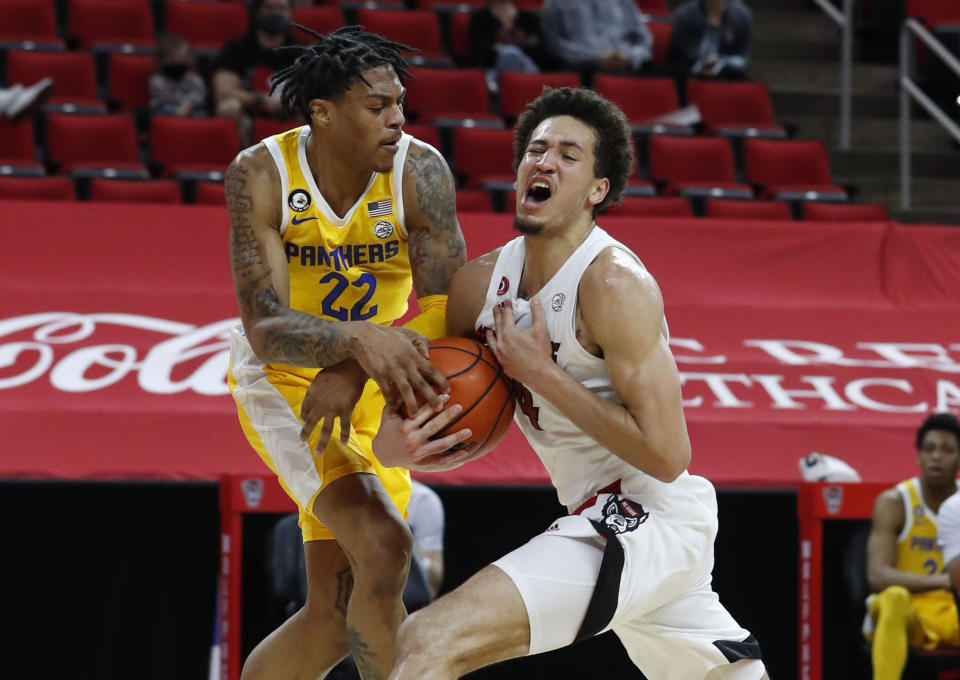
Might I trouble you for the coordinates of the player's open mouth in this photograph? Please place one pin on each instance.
(392, 144)
(537, 194)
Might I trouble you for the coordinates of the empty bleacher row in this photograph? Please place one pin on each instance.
(96, 140)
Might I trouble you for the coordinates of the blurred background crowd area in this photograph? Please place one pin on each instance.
(735, 106)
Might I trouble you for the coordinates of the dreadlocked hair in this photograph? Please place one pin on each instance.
(328, 68)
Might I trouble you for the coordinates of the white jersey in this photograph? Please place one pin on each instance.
(578, 465)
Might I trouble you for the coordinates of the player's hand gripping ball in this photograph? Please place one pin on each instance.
(477, 383)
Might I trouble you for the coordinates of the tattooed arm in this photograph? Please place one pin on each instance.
(437, 249)
(279, 334)
(276, 332)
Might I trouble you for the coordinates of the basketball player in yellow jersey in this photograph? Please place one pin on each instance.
(331, 224)
(913, 605)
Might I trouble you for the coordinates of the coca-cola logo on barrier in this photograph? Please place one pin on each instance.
(166, 357)
(79, 353)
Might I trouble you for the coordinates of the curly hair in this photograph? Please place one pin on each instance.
(939, 421)
(330, 66)
(613, 151)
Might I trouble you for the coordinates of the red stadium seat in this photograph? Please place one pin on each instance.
(529, 5)
(135, 191)
(661, 30)
(640, 99)
(211, 193)
(449, 97)
(112, 23)
(791, 170)
(482, 156)
(206, 26)
(748, 210)
(130, 80)
(654, 206)
(18, 154)
(426, 133)
(268, 127)
(518, 89)
(654, 7)
(695, 166)
(845, 212)
(416, 28)
(934, 12)
(735, 108)
(103, 144)
(325, 19)
(473, 200)
(74, 77)
(28, 21)
(203, 146)
(460, 36)
(37, 188)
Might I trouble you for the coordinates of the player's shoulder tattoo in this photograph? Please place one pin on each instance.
(437, 248)
(433, 185)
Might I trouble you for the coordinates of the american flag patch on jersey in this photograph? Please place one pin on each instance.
(380, 208)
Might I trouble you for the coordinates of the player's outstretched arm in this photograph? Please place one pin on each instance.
(622, 312)
(437, 249)
(888, 521)
(279, 334)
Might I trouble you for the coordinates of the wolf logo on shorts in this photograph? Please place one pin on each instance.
(621, 515)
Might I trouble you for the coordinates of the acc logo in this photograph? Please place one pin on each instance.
(556, 304)
(383, 229)
(833, 497)
(503, 287)
(252, 488)
(621, 515)
(298, 200)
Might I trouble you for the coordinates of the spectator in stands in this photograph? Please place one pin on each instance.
(426, 517)
(913, 604)
(503, 38)
(591, 36)
(711, 39)
(233, 92)
(18, 101)
(174, 89)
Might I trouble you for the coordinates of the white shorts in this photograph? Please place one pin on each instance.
(651, 587)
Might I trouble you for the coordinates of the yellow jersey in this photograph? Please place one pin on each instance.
(919, 552)
(350, 268)
(917, 548)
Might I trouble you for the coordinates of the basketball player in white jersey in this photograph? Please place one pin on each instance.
(577, 322)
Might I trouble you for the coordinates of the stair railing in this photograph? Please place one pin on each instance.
(909, 89)
(843, 19)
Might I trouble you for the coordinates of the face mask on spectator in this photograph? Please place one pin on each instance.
(175, 71)
(273, 23)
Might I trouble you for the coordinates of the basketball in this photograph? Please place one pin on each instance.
(478, 384)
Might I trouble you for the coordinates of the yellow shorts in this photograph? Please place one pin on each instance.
(932, 619)
(936, 616)
(268, 404)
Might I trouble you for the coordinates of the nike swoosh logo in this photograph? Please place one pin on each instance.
(305, 219)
